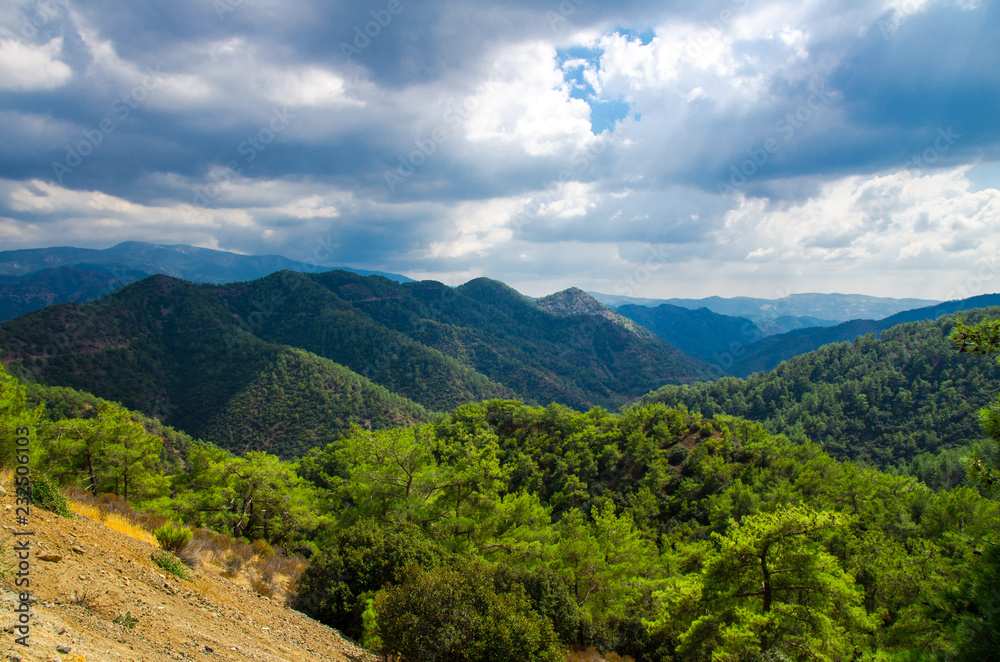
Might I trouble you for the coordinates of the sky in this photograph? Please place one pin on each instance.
(650, 149)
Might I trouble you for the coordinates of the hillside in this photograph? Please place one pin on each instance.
(102, 574)
(826, 308)
(289, 361)
(500, 531)
(34, 291)
(766, 353)
(885, 400)
(574, 301)
(31, 279)
(171, 349)
(580, 360)
(699, 333)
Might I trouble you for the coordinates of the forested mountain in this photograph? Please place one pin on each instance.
(825, 308)
(886, 400)
(766, 353)
(574, 301)
(699, 333)
(31, 279)
(505, 531)
(171, 349)
(45, 287)
(277, 363)
(482, 326)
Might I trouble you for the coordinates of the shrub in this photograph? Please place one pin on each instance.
(45, 495)
(261, 587)
(172, 537)
(456, 614)
(170, 563)
(84, 598)
(358, 562)
(262, 548)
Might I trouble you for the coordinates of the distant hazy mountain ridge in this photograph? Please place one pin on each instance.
(31, 279)
(828, 307)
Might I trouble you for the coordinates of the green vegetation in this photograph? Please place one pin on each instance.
(744, 543)
(905, 400)
(46, 495)
(126, 619)
(173, 350)
(456, 613)
(170, 563)
(504, 531)
(984, 464)
(172, 537)
(288, 362)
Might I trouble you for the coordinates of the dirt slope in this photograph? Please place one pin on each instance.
(103, 574)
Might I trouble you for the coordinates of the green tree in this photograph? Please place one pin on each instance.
(16, 418)
(340, 581)
(773, 586)
(111, 452)
(455, 614)
(255, 497)
(978, 634)
(984, 463)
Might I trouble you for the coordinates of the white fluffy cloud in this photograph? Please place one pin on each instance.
(32, 67)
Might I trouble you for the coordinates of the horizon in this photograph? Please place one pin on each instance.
(726, 297)
(629, 148)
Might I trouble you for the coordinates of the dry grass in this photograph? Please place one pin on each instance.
(266, 570)
(124, 525)
(114, 517)
(85, 509)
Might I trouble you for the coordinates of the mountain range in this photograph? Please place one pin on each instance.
(31, 279)
(818, 309)
(288, 361)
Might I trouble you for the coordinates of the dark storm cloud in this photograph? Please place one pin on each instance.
(417, 134)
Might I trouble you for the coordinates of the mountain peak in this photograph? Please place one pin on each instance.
(574, 301)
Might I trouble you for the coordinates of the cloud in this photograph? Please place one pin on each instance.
(26, 67)
(730, 147)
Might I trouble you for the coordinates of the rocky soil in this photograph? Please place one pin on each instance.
(96, 580)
